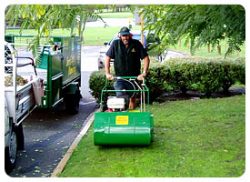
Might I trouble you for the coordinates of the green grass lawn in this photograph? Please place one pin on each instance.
(192, 138)
(92, 35)
(203, 50)
(117, 15)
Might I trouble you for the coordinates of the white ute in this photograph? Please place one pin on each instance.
(23, 91)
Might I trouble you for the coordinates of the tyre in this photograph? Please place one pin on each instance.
(11, 152)
(72, 102)
(16, 142)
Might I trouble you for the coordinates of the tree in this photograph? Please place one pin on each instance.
(199, 24)
(44, 18)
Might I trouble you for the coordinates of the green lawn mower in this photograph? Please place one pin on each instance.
(117, 125)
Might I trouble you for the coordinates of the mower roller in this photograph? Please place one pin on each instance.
(120, 126)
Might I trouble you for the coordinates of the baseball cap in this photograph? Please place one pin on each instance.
(124, 31)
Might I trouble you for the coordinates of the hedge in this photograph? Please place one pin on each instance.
(204, 75)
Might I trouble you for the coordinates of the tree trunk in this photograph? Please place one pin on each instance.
(180, 43)
(219, 49)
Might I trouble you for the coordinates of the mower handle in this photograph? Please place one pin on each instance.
(125, 77)
(142, 89)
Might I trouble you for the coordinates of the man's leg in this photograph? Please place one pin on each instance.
(122, 85)
(119, 85)
(132, 104)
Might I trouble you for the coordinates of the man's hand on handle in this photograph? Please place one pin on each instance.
(109, 76)
(141, 76)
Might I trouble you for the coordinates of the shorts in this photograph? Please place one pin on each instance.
(121, 84)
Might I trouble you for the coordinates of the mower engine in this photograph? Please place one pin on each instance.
(116, 104)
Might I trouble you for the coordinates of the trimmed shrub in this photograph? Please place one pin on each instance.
(204, 75)
(156, 81)
(97, 82)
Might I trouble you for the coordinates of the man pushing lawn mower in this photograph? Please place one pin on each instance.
(121, 126)
(127, 54)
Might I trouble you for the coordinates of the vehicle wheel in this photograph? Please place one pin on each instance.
(20, 137)
(72, 102)
(11, 152)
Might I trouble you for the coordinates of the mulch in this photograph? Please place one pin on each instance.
(193, 95)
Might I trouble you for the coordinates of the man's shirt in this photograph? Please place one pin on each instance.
(127, 61)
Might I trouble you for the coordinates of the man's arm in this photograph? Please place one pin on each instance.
(109, 76)
(146, 65)
(145, 68)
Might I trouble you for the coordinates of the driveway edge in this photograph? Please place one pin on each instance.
(59, 168)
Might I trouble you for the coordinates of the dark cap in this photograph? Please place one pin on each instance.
(124, 31)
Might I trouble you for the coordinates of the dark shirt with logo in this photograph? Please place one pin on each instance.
(127, 61)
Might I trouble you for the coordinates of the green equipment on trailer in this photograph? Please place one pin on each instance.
(62, 63)
(59, 65)
(123, 126)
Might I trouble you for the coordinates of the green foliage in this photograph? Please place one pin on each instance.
(97, 82)
(204, 75)
(44, 18)
(156, 85)
(200, 24)
(231, 73)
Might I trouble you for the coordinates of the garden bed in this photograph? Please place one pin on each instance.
(192, 94)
